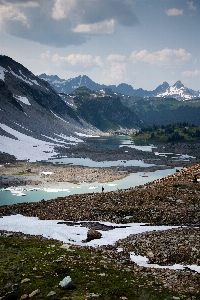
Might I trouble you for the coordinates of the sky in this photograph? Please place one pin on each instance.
(139, 42)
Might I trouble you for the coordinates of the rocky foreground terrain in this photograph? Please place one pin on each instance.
(173, 200)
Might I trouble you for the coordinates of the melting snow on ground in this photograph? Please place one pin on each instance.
(85, 135)
(143, 261)
(76, 234)
(25, 147)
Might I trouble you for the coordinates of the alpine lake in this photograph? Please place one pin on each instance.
(13, 195)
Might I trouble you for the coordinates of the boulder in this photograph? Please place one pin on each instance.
(67, 283)
(93, 234)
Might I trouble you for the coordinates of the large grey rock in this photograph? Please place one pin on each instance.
(67, 283)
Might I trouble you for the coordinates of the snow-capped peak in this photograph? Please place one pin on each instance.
(178, 91)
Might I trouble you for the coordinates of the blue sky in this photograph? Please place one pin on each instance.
(141, 42)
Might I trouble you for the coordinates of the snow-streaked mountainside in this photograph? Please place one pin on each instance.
(177, 91)
(33, 117)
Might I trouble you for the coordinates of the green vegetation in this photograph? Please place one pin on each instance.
(180, 132)
(30, 263)
(164, 111)
(106, 112)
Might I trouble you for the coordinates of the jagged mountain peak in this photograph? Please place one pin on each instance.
(178, 85)
(177, 91)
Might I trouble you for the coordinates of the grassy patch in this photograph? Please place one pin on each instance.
(28, 264)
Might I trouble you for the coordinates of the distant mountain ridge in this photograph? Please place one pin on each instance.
(177, 91)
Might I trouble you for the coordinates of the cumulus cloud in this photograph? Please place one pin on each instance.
(174, 12)
(165, 57)
(115, 72)
(64, 22)
(9, 12)
(45, 55)
(191, 73)
(77, 60)
(115, 57)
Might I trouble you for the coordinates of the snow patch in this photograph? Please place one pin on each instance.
(2, 70)
(85, 135)
(23, 99)
(26, 147)
(143, 262)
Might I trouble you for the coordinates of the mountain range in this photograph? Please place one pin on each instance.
(177, 91)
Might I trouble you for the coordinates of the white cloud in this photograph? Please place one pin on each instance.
(10, 13)
(63, 9)
(173, 12)
(191, 73)
(115, 57)
(95, 11)
(191, 6)
(45, 55)
(115, 73)
(29, 4)
(104, 27)
(165, 57)
(80, 60)
(61, 23)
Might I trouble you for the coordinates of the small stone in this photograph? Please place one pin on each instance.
(34, 293)
(52, 293)
(176, 298)
(93, 234)
(65, 246)
(150, 254)
(67, 283)
(25, 280)
(24, 297)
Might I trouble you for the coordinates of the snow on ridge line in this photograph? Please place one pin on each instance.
(23, 77)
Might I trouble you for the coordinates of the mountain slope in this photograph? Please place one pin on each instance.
(164, 111)
(32, 111)
(104, 111)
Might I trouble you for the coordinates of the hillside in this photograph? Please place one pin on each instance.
(34, 118)
(175, 133)
(106, 112)
(164, 111)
